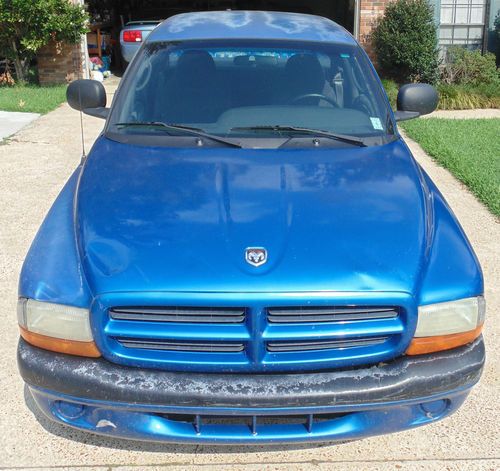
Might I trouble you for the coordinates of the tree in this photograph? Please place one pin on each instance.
(28, 25)
(405, 41)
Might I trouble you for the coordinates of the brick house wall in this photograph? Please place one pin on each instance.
(370, 12)
(59, 63)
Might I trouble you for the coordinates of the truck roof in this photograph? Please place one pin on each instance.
(250, 25)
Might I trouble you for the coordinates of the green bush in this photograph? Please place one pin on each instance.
(465, 67)
(405, 41)
(391, 88)
(490, 90)
(456, 97)
(464, 97)
(28, 25)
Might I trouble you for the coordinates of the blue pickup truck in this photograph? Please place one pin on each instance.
(250, 253)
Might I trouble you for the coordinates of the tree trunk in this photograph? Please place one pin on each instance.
(18, 63)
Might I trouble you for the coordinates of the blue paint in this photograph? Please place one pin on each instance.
(250, 25)
(142, 422)
(166, 219)
(151, 225)
(52, 270)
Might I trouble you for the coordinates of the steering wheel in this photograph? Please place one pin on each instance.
(319, 96)
(362, 103)
(144, 78)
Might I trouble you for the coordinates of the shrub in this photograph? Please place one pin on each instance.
(463, 97)
(391, 88)
(28, 25)
(405, 41)
(465, 67)
(490, 90)
(456, 97)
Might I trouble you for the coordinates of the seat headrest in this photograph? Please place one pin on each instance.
(195, 66)
(305, 73)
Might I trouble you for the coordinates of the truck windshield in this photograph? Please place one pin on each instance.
(243, 88)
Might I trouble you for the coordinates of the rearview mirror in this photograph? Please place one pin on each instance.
(88, 96)
(414, 100)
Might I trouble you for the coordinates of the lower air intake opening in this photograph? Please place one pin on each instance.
(253, 422)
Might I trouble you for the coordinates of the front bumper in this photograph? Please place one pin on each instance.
(102, 397)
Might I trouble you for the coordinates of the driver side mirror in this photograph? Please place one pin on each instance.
(414, 100)
(88, 96)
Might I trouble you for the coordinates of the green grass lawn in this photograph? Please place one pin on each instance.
(469, 148)
(32, 98)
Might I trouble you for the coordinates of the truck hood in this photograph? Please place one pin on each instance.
(178, 219)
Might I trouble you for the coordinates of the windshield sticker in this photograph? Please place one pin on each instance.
(377, 124)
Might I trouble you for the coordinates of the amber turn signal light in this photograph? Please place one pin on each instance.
(422, 345)
(70, 347)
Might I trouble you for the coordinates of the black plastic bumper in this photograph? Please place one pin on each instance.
(405, 378)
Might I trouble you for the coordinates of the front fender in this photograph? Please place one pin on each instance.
(452, 270)
(52, 270)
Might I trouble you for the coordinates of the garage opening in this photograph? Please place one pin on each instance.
(108, 17)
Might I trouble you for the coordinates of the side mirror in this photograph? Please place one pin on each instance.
(414, 100)
(88, 96)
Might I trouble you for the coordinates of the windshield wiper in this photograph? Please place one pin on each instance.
(299, 130)
(182, 128)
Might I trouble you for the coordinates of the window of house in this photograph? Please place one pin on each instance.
(462, 23)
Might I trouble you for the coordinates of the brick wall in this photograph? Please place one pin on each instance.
(58, 63)
(370, 12)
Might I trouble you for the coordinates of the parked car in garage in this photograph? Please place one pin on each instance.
(133, 35)
(250, 253)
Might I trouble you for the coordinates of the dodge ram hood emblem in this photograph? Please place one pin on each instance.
(256, 256)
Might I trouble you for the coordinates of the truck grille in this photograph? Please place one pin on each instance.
(322, 345)
(201, 315)
(299, 336)
(212, 347)
(328, 314)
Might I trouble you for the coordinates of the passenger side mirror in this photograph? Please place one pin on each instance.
(88, 96)
(414, 100)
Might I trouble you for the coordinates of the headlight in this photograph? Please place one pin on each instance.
(56, 327)
(447, 325)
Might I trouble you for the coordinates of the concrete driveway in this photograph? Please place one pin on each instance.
(33, 168)
(12, 122)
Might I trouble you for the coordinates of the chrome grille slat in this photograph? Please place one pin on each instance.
(329, 314)
(215, 347)
(276, 347)
(188, 315)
